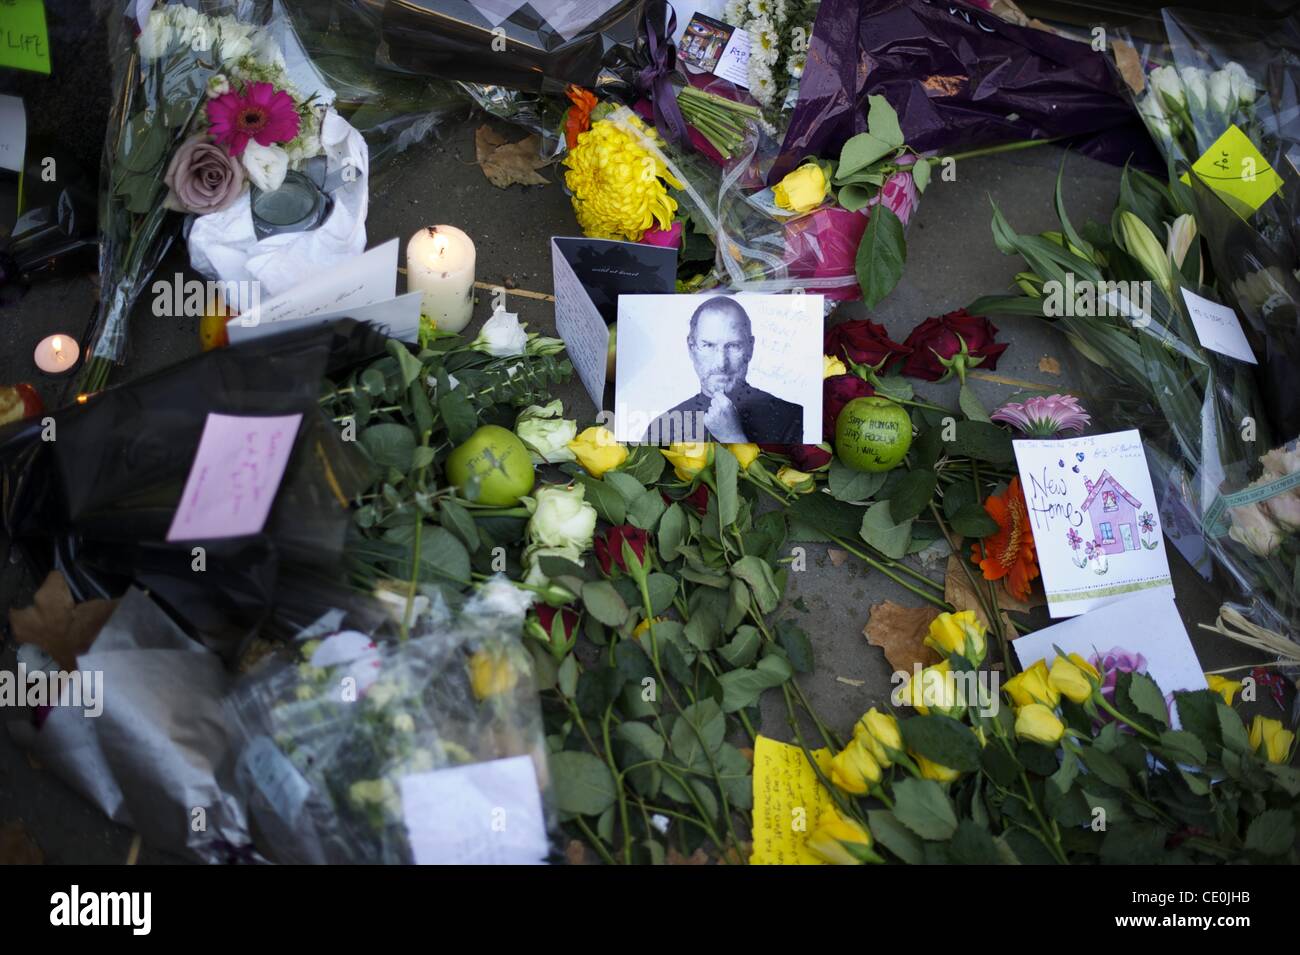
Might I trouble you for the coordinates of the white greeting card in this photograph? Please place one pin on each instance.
(1218, 328)
(1095, 519)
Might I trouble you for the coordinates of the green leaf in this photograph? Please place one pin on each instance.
(1184, 747)
(604, 603)
(457, 415)
(911, 496)
(1147, 698)
(850, 484)
(971, 520)
(823, 513)
(942, 740)
(894, 836)
(970, 404)
(645, 511)
(742, 649)
(457, 519)
(1271, 833)
(566, 676)
(662, 588)
(581, 783)
(879, 530)
(921, 174)
(698, 733)
(726, 470)
(881, 256)
(983, 442)
(628, 487)
(972, 845)
(882, 121)
(757, 575)
(641, 738)
(442, 555)
(607, 501)
(407, 364)
(923, 806)
(798, 648)
(390, 445)
(999, 765)
(742, 688)
(1105, 767)
(734, 775)
(146, 142)
(854, 196)
(1233, 731)
(859, 152)
(703, 630)
(672, 532)
(644, 462)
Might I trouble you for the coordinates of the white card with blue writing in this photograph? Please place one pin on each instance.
(1095, 519)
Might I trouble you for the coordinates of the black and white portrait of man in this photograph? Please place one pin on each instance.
(723, 348)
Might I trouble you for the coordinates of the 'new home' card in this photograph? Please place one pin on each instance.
(1094, 517)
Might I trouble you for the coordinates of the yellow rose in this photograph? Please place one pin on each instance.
(1072, 677)
(491, 673)
(935, 689)
(929, 770)
(1275, 739)
(801, 190)
(878, 732)
(832, 366)
(1038, 724)
(746, 454)
(597, 451)
(797, 481)
(688, 459)
(854, 769)
(840, 840)
(1031, 686)
(960, 633)
(1226, 688)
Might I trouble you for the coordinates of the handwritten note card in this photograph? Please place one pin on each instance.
(479, 814)
(1238, 172)
(24, 40)
(788, 801)
(1095, 519)
(1218, 328)
(236, 472)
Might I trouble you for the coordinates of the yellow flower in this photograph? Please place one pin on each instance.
(1275, 739)
(854, 769)
(1032, 686)
(878, 732)
(803, 189)
(644, 625)
(1073, 677)
(491, 673)
(839, 840)
(597, 451)
(798, 481)
(1226, 688)
(688, 459)
(617, 183)
(929, 770)
(832, 366)
(1038, 724)
(746, 454)
(935, 688)
(960, 633)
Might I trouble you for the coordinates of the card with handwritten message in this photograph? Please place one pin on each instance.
(1095, 519)
(234, 477)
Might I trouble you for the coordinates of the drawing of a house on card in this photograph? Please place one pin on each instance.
(1113, 512)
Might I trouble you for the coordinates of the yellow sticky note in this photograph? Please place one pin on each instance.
(788, 801)
(24, 40)
(1238, 172)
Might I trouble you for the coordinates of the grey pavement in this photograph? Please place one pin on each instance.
(951, 261)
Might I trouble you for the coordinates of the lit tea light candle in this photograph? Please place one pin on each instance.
(57, 354)
(440, 263)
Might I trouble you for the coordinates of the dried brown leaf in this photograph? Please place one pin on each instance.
(54, 623)
(901, 631)
(17, 847)
(575, 853)
(958, 592)
(505, 163)
(837, 556)
(1129, 64)
(698, 857)
(1049, 365)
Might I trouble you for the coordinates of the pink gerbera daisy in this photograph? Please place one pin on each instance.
(261, 113)
(1044, 417)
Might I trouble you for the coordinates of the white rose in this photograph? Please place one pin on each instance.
(234, 39)
(266, 165)
(1285, 510)
(533, 574)
(1154, 115)
(1165, 82)
(1254, 529)
(1198, 91)
(1223, 98)
(546, 433)
(562, 518)
(1242, 85)
(502, 335)
(156, 36)
(1281, 461)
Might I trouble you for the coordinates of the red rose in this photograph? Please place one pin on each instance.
(609, 547)
(697, 499)
(863, 341)
(559, 628)
(805, 457)
(837, 391)
(942, 338)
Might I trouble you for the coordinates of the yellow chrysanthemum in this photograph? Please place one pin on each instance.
(617, 184)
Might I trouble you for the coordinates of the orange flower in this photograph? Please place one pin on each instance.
(578, 118)
(1008, 555)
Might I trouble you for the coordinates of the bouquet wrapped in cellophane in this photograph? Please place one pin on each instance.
(205, 108)
(1226, 473)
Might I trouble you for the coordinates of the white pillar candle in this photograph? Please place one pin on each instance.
(57, 354)
(440, 263)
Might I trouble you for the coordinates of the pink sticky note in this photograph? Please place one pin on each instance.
(236, 472)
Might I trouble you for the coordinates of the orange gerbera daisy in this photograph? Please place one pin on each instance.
(578, 118)
(1008, 555)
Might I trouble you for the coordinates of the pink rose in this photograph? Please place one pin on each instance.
(670, 238)
(202, 178)
(899, 192)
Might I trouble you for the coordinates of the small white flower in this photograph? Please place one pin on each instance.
(404, 723)
(1243, 86)
(381, 694)
(795, 64)
(764, 42)
(1223, 99)
(1166, 83)
(561, 517)
(779, 12)
(735, 11)
(266, 165)
(156, 36)
(1153, 113)
(760, 9)
(1198, 93)
(502, 335)
(218, 85)
(761, 85)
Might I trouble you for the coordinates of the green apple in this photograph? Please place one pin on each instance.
(873, 434)
(491, 467)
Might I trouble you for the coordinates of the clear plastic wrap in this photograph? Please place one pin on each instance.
(327, 743)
